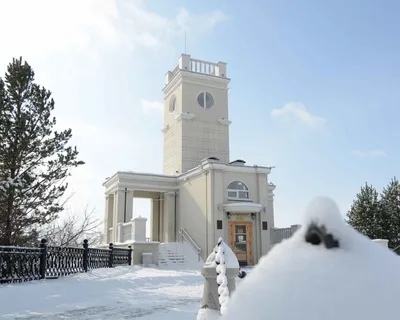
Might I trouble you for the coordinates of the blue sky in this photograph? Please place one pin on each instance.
(329, 69)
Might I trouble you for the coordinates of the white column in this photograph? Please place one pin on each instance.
(118, 212)
(217, 199)
(129, 205)
(220, 69)
(184, 62)
(169, 216)
(162, 219)
(267, 216)
(108, 218)
(120, 204)
(106, 221)
(155, 219)
(119, 236)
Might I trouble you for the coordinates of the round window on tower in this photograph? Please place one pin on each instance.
(172, 104)
(205, 100)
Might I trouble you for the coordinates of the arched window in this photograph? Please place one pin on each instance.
(238, 190)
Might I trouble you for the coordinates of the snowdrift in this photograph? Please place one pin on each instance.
(327, 271)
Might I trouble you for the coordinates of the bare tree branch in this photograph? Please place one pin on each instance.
(73, 229)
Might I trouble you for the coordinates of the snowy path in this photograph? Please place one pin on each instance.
(120, 293)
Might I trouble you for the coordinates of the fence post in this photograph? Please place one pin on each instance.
(85, 255)
(43, 256)
(130, 256)
(111, 259)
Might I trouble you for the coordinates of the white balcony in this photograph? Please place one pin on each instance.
(187, 63)
(132, 231)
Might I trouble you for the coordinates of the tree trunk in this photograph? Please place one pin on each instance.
(8, 230)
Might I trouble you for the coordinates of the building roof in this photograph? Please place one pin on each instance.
(173, 180)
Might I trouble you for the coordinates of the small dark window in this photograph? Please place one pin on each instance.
(265, 225)
(219, 224)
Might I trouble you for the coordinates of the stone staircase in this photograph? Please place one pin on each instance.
(171, 255)
(177, 255)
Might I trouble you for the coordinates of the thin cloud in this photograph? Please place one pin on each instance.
(297, 111)
(375, 153)
(88, 27)
(152, 107)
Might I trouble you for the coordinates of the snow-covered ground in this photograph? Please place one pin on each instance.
(325, 270)
(118, 293)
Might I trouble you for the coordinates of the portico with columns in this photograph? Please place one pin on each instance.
(121, 191)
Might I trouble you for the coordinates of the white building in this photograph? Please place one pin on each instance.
(202, 195)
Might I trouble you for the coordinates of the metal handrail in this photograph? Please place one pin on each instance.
(186, 236)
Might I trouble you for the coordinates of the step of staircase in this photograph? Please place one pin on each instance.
(171, 255)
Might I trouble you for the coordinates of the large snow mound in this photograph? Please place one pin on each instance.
(326, 270)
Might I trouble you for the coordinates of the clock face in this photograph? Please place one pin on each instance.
(172, 104)
(205, 100)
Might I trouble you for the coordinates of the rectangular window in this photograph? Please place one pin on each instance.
(240, 229)
(265, 225)
(219, 224)
(232, 194)
(243, 194)
(240, 238)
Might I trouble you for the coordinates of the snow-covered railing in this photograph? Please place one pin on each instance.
(220, 272)
(20, 264)
(222, 280)
(186, 236)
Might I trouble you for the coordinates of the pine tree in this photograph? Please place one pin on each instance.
(364, 211)
(390, 208)
(35, 160)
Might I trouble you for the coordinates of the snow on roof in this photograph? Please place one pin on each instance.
(241, 204)
(243, 207)
(326, 270)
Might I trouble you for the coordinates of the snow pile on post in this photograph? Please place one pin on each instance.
(325, 270)
(222, 280)
(220, 271)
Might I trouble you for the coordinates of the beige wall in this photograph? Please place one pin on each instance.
(145, 247)
(192, 208)
(190, 92)
(173, 136)
(188, 141)
(168, 221)
(200, 204)
(258, 190)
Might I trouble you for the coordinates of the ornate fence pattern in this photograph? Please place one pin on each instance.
(18, 264)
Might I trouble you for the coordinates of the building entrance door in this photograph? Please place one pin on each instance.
(241, 241)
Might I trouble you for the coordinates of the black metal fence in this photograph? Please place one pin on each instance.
(19, 264)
